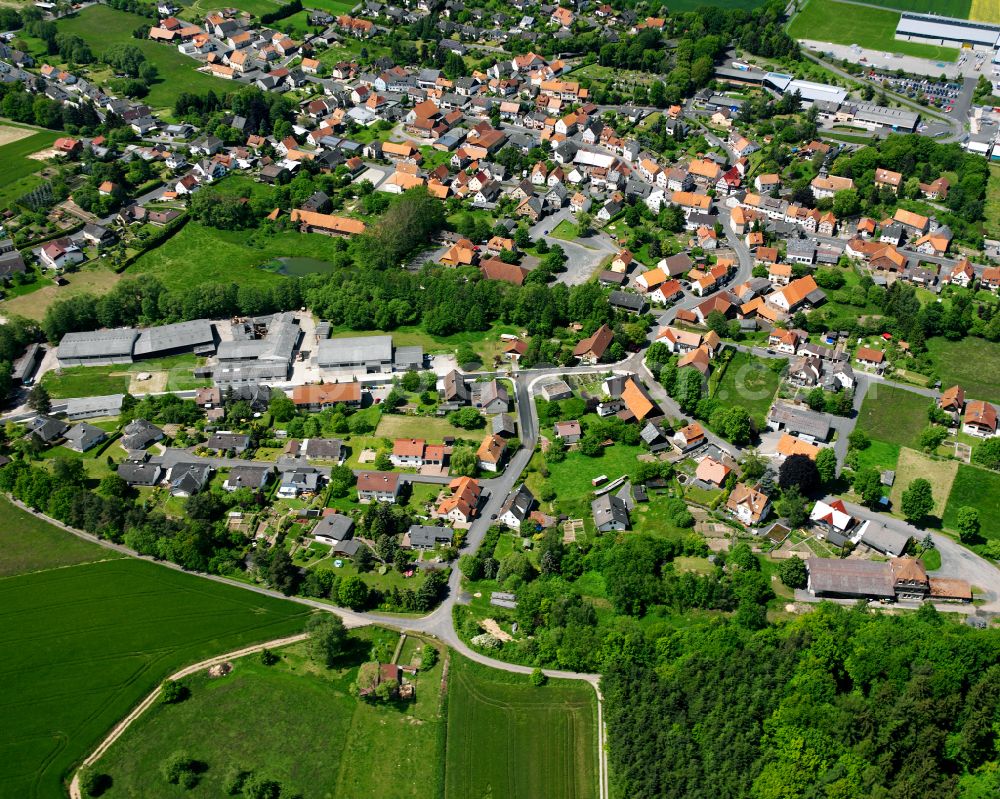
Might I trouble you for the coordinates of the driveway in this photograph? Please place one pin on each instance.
(583, 256)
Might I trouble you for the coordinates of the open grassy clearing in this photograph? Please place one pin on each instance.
(913, 464)
(945, 8)
(571, 478)
(749, 383)
(879, 455)
(979, 489)
(168, 374)
(95, 279)
(309, 733)
(198, 254)
(973, 363)
(18, 174)
(507, 738)
(892, 414)
(30, 544)
(874, 28)
(101, 26)
(426, 427)
(83, 644)
(992, 223)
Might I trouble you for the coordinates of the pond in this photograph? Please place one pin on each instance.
(296, 266)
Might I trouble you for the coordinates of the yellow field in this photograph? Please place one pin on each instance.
(985, 10)
(9, 134)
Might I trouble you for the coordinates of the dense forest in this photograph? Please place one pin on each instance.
(836, 704)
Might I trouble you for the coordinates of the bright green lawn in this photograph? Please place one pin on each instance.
(507, 738)
(880, 455)
(892, 414)
(565, 230)
(749, 383)
(29, 544)
(308, 732)
(431, 428)
(83, 644)
(973, 363)
(975, 488)
(101, 26)
(992, 212)
(945, 8)
(874, 28)
(199, 254)
(95, 381)
(18, 174)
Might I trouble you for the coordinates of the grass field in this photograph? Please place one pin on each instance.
(879, 455)
(84, 643)
(29, 544)
(749, 383)
(985, 10)
(691, 5)
(892, 414)
(168, 374)
(913, 464)
(874, 28)
(198, 254)
(309, 733)
(18, 174)
(571, 478)
(992, 214)
(427, 427)
(975, 488)
(507, 738)
(973, 363)
(93, 279)
(101, 26)
(945, 8)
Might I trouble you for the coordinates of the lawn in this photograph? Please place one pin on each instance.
(973, 363)
(431, 428)
(101, 26)
(507, 738)
(992, 214)
(571, 478)
(913, 464)
(880, 455)
(565, 230)
(749, 383)
(199, 254)
(31, 545)
(944, 8)
(18, 174)
(874, 28)
(309, 733)
(85, 643)
(893, 414)
(168, 374)
(975, 488)
(95, 279)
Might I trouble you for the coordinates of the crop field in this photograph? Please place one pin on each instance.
(29, 544)
(975, 488)
(507, 738)
(749, 383)
(18, 174)
(101, 26)
(309, 733)
(84, 643)
(874, 28)
(973, 363)
(892, 414)
(985, 10)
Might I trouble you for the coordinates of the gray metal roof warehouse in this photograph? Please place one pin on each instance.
(154, 341)
(97, 347)
(948, 29)
(887, 117)
(355, 351)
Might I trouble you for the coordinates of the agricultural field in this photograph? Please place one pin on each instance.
(893, 415)
(100, 26)
(992, 212)
(913, 464)
(971, 362)
(749, 383)
(428, 427)
(309, 732)
(691, 5)
(985, 11)
(508, 738)
(198, 254)
(83, 643)
(30, 545)
(874, 28)
(976, 488)
(16, 144)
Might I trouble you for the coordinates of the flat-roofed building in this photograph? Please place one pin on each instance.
(371, 354)
(157, 342)
(97, 347)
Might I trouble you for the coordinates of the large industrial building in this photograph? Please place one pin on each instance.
(260, 350)
(370, 354)
(128, 344)
(808, 90)
(948, 32)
